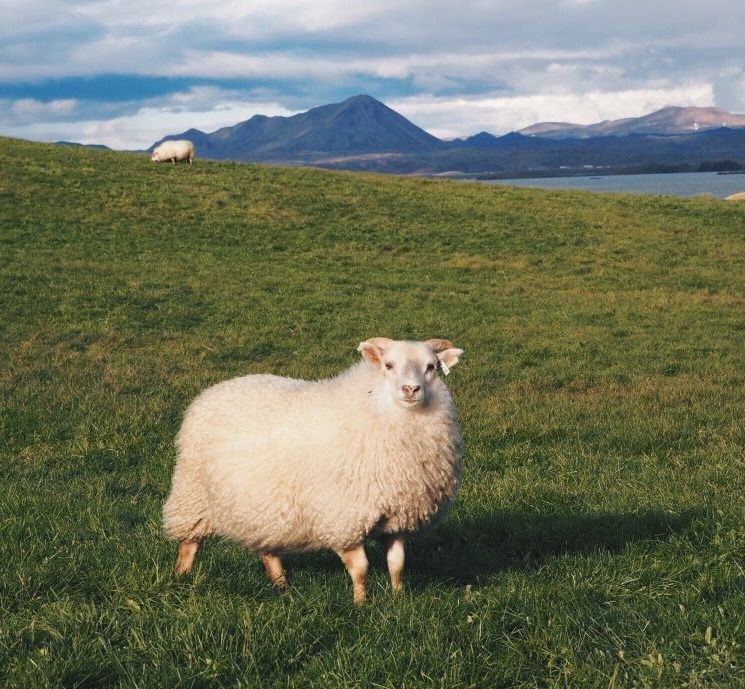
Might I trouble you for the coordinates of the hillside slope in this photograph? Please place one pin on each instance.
(598, 536)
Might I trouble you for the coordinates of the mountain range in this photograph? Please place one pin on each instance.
(362, 133)
(668, 121)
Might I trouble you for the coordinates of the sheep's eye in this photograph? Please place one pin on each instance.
(430, 367)
(389, 365)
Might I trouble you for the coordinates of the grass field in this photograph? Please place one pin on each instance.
(598, 540)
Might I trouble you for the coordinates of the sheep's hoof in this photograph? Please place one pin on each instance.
(274, 570)
(187, 551)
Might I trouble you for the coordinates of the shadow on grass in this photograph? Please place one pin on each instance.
(466, 549)
(475, 542)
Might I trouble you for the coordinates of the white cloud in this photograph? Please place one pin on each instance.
(730, 89)
(204, 109)
(29, 107)
(511, 63)
(457, 117)
(25, 110)
(258, 19)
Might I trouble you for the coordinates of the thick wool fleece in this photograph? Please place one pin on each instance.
(174, 150)
(279, 464)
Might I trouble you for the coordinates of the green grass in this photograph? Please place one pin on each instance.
(599, 537)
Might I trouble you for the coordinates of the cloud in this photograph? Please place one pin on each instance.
(25, 110)
(456, 117)
(206, 108)
(254, 19)
(729, 88)
(453, 68)
(150, 38)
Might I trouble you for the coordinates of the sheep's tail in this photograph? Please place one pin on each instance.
(185, 513)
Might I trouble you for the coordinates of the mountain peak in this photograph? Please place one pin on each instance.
(360, 125)
(361, 98)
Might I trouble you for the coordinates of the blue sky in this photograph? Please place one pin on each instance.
(126, 73)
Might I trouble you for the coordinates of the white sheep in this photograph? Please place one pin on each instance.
(280, 464)
(174, 151)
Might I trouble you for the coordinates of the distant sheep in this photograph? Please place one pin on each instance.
(174, 151)
(280, 464)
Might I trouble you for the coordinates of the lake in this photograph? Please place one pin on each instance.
(674, 184)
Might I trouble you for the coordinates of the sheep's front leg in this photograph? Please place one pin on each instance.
(355, 561)
(274, 570)
(187, 551)
(395, 557)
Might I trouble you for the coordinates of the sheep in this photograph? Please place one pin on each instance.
(285, 465)
(173, 151)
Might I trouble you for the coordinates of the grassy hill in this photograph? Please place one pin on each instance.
(598, 539)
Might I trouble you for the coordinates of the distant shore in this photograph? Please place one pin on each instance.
(688, 184)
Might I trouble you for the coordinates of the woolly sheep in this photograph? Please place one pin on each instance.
(280, 464)
(173, 151)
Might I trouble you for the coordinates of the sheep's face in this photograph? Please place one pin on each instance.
(409, 369)
(155, 157)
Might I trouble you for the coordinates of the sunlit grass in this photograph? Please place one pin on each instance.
(599, 535)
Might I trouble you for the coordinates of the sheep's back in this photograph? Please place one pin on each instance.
(291, 464)
(272, 455)
(179, 148)
(251, 411)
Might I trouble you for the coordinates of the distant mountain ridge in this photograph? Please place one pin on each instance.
(667, 121)
(361, 133)
(74, 143)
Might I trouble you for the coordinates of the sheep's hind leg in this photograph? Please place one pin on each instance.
(355, 561)
(274, 570)
(187, 551)
(395, 556)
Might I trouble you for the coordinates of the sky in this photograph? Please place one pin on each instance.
(126, 73)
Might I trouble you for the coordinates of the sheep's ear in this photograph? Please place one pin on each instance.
(372, 349)
(448, 358)
(438, 345)
(446, 352)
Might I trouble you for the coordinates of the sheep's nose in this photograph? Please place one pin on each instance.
(410, 390)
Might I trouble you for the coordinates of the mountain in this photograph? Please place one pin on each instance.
(360, 125)
(480, 140)
(516, 155)
(362, 133)
(75, 143)
(668, 121)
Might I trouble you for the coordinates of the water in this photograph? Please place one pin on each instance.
(674, 184)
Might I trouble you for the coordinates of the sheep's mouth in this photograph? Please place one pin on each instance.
(411, 401)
